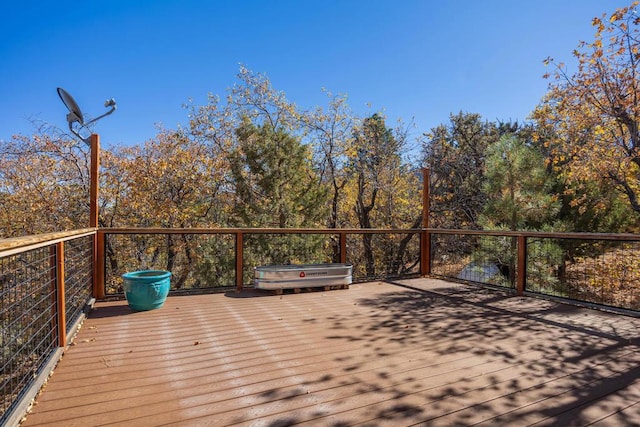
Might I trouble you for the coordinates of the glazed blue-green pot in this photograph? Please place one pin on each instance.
(146, 289)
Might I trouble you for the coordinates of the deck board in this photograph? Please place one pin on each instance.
(419, 351)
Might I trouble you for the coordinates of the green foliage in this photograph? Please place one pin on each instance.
(275, 185)
(216, 262)
(455, 155)
(589, 204)
(518, 197)
(381, 189)
(545, 258)
(592, 207)
(590, 118)
(517, 187)
(376, 153)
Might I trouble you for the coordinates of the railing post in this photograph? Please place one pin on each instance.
(343, 247)
(60, 296)
(99, 285)
(425, 236)
(522, 265)
(239, 260)
(425, 253)
(94, 169)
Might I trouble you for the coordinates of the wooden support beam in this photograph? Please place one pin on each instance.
(425, 235)
(99, 287)
(239, 261)
(343, 247)
(522, 265)
(425, 253)
(94, 177)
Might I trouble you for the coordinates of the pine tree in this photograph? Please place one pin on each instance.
(277, 187)
(517, 187)
(518, 195)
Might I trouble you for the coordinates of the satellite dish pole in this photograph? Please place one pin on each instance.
(93, 141)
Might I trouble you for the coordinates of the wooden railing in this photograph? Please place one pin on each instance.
(48, 280)
(191, 254)
(592, 268)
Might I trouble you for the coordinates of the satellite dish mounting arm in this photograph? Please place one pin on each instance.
(75, 114)
(108, 103)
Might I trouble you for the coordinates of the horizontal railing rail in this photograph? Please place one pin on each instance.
(46, 282)
(543, 234)
(21, 244)
(159, 230)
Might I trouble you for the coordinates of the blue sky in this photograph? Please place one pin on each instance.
(419, 60)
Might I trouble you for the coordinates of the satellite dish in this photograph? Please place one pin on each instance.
(75, 114)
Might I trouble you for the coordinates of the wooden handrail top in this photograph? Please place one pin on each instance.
(51, 238)
(540, 234)
(156, 230)
(42, 239)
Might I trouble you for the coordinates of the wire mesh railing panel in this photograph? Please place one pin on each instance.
(284, 249)
(196, 261)
(28, 320)
(383, 255)
(78, 277)
(485, 259)
(203, 259)
(594, 271)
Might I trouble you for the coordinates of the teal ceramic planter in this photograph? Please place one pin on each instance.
(146, 289)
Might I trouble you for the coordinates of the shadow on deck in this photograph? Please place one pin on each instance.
(421, 351)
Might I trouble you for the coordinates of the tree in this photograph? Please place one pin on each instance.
(44, 183)
(330, 133)
(517, 186)
(253, 98)
(382, 189)
(276, 186)
(455, 156)
(215, 125)
(169, 182)
(589, 120)
(275, 183)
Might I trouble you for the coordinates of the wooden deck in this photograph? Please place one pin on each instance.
(376, 354)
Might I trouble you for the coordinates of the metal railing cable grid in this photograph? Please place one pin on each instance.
(197, 261)
(205, 259)
(17, 245)
(78, 277)
(27, 278)
(278, 249)
(28, 320)
(595, 271)
(392, 255)
(374, 256)
(478, 258)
